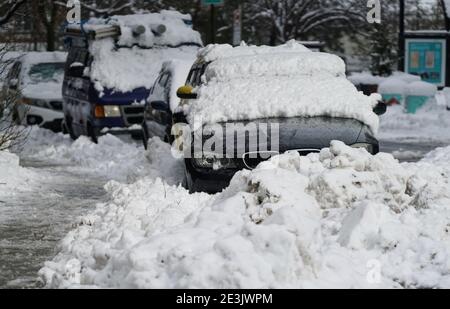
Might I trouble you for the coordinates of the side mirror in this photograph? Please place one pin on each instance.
(76, 69)
(186, 93)
(380, 109)
(13, 84)
(160, 106)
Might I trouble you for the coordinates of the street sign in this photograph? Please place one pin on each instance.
(212, 2)
(427, 58)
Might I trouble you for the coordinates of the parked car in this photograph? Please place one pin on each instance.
(35, 80)
(163, 101)
(111, 66)
(302, 95)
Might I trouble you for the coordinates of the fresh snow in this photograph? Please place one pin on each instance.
(431, 123)
(50, 90)
(131, 62)
(13, 177)
(125, 69)
(286, 81)
(321, 221)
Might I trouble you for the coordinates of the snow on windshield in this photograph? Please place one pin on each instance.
(47, 72)
(42, 75)
(286, 81)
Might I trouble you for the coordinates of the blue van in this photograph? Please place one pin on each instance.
(111, 66)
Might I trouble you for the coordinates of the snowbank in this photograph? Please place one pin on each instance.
(111, 157)
(13, 177)
(422, 89)
(430, 123)
(342, 218)
(393, 85)
(284, 81)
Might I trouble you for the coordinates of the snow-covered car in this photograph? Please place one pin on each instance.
(163, 100)
(252, 103)
(112, 65)
(35, 80)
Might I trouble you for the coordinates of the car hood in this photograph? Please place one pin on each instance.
(113, 97)
(43, 91)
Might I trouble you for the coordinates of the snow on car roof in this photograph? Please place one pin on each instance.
(215, 52)
(247, 83)
(177, 30)
(126, 69)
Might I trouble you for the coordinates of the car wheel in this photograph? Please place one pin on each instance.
(68, 127)
(92, 134)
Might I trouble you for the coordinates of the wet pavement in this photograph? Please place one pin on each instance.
(32, 223)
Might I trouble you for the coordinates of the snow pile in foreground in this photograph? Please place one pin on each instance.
(13, 177)
(431, 122)
(111, 157)
(341, 218)
(285, 81)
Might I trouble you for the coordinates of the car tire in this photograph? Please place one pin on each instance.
(69, 128)
(92, 134)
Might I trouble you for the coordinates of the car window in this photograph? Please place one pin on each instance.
(78, 56)
(46, 72)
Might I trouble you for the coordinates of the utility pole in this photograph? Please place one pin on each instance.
(446, 15)
(401, 37)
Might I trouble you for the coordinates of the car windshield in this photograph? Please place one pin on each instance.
(46, 72)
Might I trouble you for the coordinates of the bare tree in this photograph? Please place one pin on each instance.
(8, 8)
(298, 19)
(10, 134)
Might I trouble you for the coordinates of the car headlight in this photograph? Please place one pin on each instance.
(212, 162)
(366, 146)
(106, 111)
(112, 111)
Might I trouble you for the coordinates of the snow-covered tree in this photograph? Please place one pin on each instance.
(298, 19)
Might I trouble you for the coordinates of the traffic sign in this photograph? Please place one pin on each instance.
(212, 2)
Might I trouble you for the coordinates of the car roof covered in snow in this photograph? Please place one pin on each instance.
(167, 28)
(250, 82)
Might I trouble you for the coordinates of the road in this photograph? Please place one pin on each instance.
(31, 225)
(409, 151)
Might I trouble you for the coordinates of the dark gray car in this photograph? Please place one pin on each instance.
(213, 173)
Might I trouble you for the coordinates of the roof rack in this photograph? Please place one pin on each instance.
(93, 33)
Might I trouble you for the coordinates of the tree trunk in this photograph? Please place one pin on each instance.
(51, 38)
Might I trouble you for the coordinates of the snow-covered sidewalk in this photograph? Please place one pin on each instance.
(341, 218)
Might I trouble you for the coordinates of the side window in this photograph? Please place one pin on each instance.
(163, 80)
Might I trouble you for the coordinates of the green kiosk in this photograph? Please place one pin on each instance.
(426, 55)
